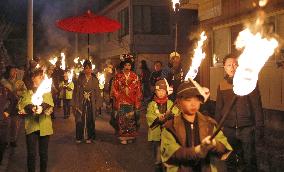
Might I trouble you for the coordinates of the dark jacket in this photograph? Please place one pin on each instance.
(155, 76)
(91, 86)
(6, 105)
(246, 111)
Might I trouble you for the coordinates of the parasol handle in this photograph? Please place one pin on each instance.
(88, 46)
(221, 122)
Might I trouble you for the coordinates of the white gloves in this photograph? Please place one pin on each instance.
(205, 146)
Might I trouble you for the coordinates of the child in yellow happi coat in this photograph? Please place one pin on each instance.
(156, 113)
(66, 92)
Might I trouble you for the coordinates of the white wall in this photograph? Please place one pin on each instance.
(271, 78)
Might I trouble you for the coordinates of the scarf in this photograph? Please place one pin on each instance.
(161, 100)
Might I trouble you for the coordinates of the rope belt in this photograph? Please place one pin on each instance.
(87, 95)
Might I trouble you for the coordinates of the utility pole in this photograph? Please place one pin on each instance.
(76, 34)
(30, 31)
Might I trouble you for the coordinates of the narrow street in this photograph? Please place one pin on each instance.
(106, 154)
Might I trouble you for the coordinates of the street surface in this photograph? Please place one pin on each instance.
(106, 154)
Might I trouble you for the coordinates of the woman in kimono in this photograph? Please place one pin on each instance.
(86, 102)
(126, 90)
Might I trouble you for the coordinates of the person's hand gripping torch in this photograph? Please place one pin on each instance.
(37, 97)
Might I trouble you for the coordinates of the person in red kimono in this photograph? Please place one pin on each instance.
(126, 90)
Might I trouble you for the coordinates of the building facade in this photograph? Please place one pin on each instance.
(147, 30)
(223, 20)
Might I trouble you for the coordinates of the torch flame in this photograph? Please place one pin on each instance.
(82, 62)
(76, 60)
(37, 66)
(262, 3)
(44, 87)
(63, 64)
(198, 56)
(93, 66)
(70, 75)
(257, 48)
(102, 80)
(174, 2)
(53, 61)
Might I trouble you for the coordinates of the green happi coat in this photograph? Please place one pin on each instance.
(152, 114)
(173, 138)
(41, 122)
(66, 93)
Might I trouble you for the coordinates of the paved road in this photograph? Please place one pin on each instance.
(106, 154)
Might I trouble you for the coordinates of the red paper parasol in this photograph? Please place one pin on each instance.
(89, 23)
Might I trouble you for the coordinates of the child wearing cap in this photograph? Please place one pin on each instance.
(156, 112)
(185, 139)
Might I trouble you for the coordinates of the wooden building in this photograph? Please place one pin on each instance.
(223, 20)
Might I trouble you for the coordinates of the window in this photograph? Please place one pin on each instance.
(123, 18)
(221, 43)
(151, 20)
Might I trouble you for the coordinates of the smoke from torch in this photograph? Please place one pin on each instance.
(198, 56)
(44, 87)
(256, 48)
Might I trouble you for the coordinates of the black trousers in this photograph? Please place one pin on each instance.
(86, 123)
(66, 107)
(243, 142)
(3, 137)
(32, 140)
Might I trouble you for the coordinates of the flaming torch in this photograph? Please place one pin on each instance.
(70, 75)
(175, 5)
(257, 48)
(102, 80)
(76, 60)
(174, 2)
(198, 56)
(93, 65)
(82, 61)
(45, 87)
(63, 64)
(191, 74)
(37, 66)
(53, 61)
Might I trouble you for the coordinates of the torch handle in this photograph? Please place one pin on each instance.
(156, 123)
(221, 122)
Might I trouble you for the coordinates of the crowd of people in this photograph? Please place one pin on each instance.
(179, 129)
